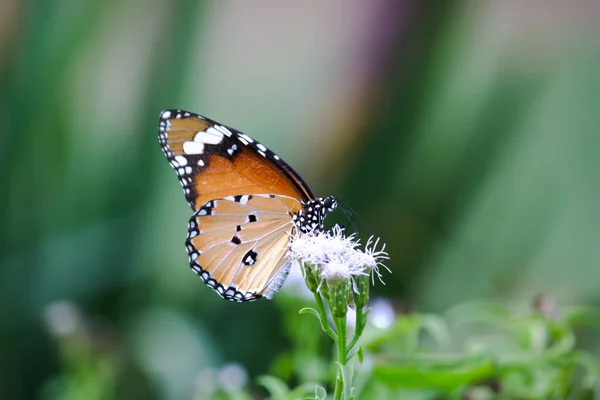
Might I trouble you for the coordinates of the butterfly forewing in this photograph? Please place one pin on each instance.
(238, 244)
(214, 161)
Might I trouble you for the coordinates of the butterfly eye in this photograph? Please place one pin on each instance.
(330, 203)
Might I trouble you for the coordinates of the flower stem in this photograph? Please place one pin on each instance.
(359, 327)
(324, 319)
(340, 324)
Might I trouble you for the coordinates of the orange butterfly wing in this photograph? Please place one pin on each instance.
(244, 197)
(214, 161)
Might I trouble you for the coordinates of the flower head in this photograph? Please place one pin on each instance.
(337, 255)
(330, 257)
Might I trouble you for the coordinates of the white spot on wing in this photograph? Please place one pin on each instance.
(181, 160)
(223, 130)
(166, 114)
(246, 138)
(193, 147)
(211, 136)
(261, 147)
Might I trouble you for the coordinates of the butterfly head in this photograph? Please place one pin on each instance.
(313, 213)
(329, 203)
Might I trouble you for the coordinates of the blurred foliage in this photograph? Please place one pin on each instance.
(483, 351)
(465, 134)
(475, 351)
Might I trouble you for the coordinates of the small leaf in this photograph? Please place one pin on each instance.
(363, 323)
(442, 376)
(360, 354)
(581, 316)
(437, 328)
(320, 393)
(275, 386)
(310, 310)
(366, 315)
(353, 394)
(303, 391)
(589, 364)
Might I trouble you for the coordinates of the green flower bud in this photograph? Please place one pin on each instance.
(324, 290)
(339, 294)
(363, 286)
(310, 277)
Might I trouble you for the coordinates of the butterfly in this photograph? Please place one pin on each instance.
(248, 204)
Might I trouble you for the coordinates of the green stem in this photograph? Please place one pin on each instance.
(340, 324)
(359, 327)
(324, 319)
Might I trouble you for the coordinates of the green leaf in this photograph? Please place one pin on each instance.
(360, 354)
(277, 388)
(310, 310)
(437, 328)
(581, 316)
(303, 391)
(366, 315)
(320, 393)
(447, 377)
(233, 394)
(590, 365)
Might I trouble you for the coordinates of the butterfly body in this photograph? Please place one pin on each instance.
(247, 202)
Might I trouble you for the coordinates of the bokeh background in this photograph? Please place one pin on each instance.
(465, 133)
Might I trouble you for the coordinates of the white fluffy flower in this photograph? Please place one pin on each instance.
(336, 256)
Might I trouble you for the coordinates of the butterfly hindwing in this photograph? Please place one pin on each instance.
(238, 244)
(215, 161)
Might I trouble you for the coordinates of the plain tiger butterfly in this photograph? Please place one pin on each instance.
(248, 204)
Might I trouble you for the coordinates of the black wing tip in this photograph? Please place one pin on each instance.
(166, 114)
(174, 113)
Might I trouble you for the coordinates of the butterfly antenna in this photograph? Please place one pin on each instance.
(351, 214)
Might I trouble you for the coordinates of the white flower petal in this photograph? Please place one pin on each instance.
(335, 255)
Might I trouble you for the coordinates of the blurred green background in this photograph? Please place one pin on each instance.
(466, 134)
